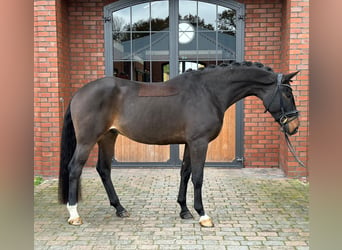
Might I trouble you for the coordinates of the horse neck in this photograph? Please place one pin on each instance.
(229, 90)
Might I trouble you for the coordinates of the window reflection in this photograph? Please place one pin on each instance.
(188, 11)
(141, 46)
(141, 38)
(159, 15)
(121, 20)
(214, 35)
(207, 15)
(122, 69)
(121, 46)
(141, 41)
(141, 17)
(226, 20)
(160, 46)
(189, 65)
(227, 44)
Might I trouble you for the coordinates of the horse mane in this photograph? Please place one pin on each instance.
(234, 64)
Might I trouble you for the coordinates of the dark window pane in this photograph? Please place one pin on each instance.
(121, 20)
(122, 69)
(141, 17)
(141, 71)
(208, 62)
(159, 72)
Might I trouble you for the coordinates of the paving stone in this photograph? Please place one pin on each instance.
(251, 209)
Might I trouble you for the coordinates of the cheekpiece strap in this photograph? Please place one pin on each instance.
(279, 79)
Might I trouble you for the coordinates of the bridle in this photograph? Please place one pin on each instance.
(285, 117)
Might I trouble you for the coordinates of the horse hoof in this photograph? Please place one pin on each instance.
(122, 214)
(186, 215)
(75, 221)
(206, 221)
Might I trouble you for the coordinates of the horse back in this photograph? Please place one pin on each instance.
(157, 90)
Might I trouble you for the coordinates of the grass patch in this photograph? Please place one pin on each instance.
(38, 180)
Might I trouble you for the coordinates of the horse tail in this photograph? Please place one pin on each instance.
(68, 146)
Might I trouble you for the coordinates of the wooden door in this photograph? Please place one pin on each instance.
(222, 149)
(127, 150)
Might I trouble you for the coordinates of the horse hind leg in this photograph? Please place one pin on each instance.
(185, 176)
(103, 167)
(75, 170)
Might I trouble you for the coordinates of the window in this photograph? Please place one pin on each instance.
(144, 37)
(141, 41)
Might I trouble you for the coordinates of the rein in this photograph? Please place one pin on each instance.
(284, 117)
(293, 151)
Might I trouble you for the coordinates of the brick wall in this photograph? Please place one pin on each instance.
(86, 46)
(69, 52)
(277, 35)
(262, 43)
(296, 57)
(46, 104)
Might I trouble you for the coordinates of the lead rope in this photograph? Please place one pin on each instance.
(289, 145)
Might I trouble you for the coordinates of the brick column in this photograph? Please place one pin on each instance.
(50, 80)
(262, 44)
(295, 51)
(46, 104)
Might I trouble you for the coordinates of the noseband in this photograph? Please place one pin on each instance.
(284, 117)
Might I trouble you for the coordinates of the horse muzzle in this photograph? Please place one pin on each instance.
(289, 125)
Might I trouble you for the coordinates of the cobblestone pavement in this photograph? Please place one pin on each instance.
(251, 209)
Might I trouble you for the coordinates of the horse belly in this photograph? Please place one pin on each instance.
(152, 134)
(151, 129)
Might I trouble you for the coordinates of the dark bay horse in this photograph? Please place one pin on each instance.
(187, 109)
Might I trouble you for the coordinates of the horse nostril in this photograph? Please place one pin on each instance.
(294, 131)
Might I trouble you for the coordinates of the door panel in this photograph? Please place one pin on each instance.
(222, 149)
(127, 150)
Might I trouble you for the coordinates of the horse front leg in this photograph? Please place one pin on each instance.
(103, 167)
(198, 151)
(185, 176)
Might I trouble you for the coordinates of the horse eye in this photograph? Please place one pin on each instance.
(288, 94)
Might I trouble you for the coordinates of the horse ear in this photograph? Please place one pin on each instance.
(288, 77)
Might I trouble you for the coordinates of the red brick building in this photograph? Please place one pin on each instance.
(73, 45)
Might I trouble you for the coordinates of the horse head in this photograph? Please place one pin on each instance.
(280, 103)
